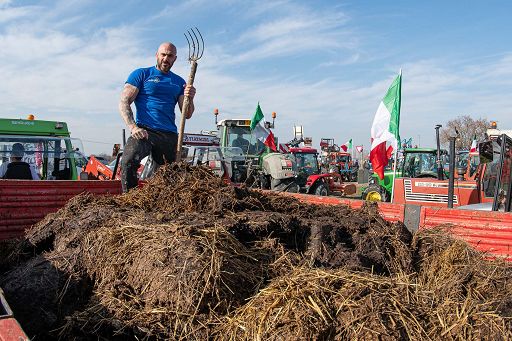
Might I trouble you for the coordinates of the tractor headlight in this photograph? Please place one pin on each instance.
(371, 181)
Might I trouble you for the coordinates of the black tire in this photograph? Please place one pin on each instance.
(292, 187)
(375, 192)
(286, 185)
(353, 177)
(321, 189)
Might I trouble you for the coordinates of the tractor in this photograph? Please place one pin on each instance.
(334, 160)
(415, 163)
(341, 162)
(47, 144)
(311, 180)
(422, 178)
(262, 168)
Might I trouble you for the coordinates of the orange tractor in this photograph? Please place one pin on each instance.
(422, 177)
(337, 161)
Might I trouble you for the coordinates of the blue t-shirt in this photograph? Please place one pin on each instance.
(157, 97)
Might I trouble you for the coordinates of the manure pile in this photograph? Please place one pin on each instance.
(187, 257)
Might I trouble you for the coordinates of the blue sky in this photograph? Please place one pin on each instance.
(324, 65)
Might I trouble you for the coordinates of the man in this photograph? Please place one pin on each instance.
(17, 169)
(241, 142)
(155, 91)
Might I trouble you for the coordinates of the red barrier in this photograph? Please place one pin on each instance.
(10, 330)
(390, 212)
(487, 231)
(24, 203)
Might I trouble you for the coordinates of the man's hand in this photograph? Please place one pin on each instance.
(139, 133)
(190, 92)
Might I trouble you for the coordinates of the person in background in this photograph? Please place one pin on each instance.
(155, 91)
(16, 168)
(241, 142)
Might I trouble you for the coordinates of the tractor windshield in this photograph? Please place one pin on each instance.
(343, 158)
(464, 157)
(490, 175)
(202, 155)
(54, 158)
(502, 200)
(417, 165)
(242, 137)
(307, 163)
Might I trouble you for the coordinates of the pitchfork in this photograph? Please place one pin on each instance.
(195, 52)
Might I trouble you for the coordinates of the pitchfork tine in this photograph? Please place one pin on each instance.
(201, 49)
(191, 56)
(198, 45)
(188, 42)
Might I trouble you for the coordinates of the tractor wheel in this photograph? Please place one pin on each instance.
(353, 177)
(292, 187)
(321, 189)
(286, 185)
(375, 192)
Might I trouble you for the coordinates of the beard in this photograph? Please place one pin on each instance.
(164, 66)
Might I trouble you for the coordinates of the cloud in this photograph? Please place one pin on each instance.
(300, 32)
(8, 14)
(59, 72)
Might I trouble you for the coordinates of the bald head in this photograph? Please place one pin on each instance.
(165, 56)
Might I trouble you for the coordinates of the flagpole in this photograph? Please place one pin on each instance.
(394, 174)
(398, 142)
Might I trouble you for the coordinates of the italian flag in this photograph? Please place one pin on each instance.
(347, 145)
(261, 132)
(385, 128)
(473, 148)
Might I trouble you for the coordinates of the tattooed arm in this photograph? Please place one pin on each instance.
(127, 97)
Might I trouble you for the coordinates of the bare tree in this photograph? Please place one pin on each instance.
(466, 129)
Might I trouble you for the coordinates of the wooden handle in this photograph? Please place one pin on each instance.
(184, 111)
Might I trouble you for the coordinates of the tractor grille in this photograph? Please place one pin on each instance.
(426, 197)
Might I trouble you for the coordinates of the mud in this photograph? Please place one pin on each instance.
(186, 257)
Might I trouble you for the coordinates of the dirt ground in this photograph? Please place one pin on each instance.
(187, 257)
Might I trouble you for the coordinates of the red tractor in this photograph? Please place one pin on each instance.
(311, 180)
(341, 162)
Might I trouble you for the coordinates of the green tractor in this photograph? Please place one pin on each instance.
(47, 146)
(261, 168)
(413, 163)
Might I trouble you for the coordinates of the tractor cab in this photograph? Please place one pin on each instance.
(47, 147)
(306, 160)
(237, 133)
(467, 164)
(264, 168)
(53, 158)
(422, 163)
(496, 165)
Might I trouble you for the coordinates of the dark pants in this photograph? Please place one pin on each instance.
(162, 147)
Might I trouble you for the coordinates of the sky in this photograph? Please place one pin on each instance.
(324, 65)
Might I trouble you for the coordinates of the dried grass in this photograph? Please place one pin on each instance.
(187, 257)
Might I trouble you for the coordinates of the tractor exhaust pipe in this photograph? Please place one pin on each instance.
(451, 180)
(440, 173)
